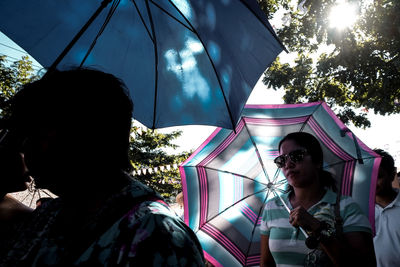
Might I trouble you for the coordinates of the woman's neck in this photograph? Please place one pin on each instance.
(307, 196)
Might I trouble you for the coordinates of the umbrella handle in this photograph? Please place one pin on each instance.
(288, 210)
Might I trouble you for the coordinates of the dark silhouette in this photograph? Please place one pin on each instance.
(387, 213)
(74, 128)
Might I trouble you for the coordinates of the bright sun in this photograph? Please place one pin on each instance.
(342, 15)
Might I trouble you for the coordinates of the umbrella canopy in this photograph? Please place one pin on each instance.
(228, 179)
(184, 61)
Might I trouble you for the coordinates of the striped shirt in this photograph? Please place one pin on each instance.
(287, 243)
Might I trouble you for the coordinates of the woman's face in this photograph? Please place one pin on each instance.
(302, 173)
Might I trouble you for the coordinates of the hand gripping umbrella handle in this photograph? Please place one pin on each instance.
(288, 210)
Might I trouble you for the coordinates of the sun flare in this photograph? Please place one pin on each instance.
(342, 15)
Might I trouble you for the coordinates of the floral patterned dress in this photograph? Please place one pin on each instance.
(134, 228)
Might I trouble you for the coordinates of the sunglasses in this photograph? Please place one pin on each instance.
(294, 156)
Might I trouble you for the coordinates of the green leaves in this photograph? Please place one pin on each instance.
(12, 77)
(362, 68)
(147, 150)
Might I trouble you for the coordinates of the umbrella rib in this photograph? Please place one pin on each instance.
(228, 172)
(29, 193)
(212, 64)
(281, 182)
(155, 63)
(257, 152)
(34, 193)
(309, 117)
(44, 191)
(169, 14)
(276, 175)
(106, 21)
(53, 66)
(356, 144)
(143, 22)
(340, 162)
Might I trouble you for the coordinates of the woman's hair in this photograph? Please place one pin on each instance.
(313, 147)
(84, 103)
(387, 162)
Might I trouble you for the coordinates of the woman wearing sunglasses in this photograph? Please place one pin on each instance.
(337, 232)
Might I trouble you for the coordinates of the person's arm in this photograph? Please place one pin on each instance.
(354, 249)
(266, 256)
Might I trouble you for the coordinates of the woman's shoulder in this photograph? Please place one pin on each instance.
(348, 201)
(276, 202)
(331, 197)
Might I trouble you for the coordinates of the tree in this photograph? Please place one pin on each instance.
(361, 70)
(146, 151)
(12, 77)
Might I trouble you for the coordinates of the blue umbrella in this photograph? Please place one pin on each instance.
(184, 61)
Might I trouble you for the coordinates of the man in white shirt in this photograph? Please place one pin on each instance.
(387, 214)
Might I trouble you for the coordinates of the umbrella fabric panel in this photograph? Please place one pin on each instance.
(360, 186)
(207, 147)
(235, 212)
(215, 253)
(229, 192)
(191, 183)
(44, 24)
(219, 196)
(236, 233)
(198, 64)
(279, 111)
(186, 83)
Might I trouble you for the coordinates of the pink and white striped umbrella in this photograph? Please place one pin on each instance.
(228, 179)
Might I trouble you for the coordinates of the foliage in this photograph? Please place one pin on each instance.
(146, 151)
(12, 77)
(360, 71)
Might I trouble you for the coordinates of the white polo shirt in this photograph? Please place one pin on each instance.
(387, 239)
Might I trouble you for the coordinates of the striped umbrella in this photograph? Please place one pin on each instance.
(228, 179)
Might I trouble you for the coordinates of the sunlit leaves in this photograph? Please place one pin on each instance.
(12, 77)
(360, 73)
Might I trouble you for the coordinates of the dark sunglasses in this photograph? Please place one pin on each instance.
(295, 156)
